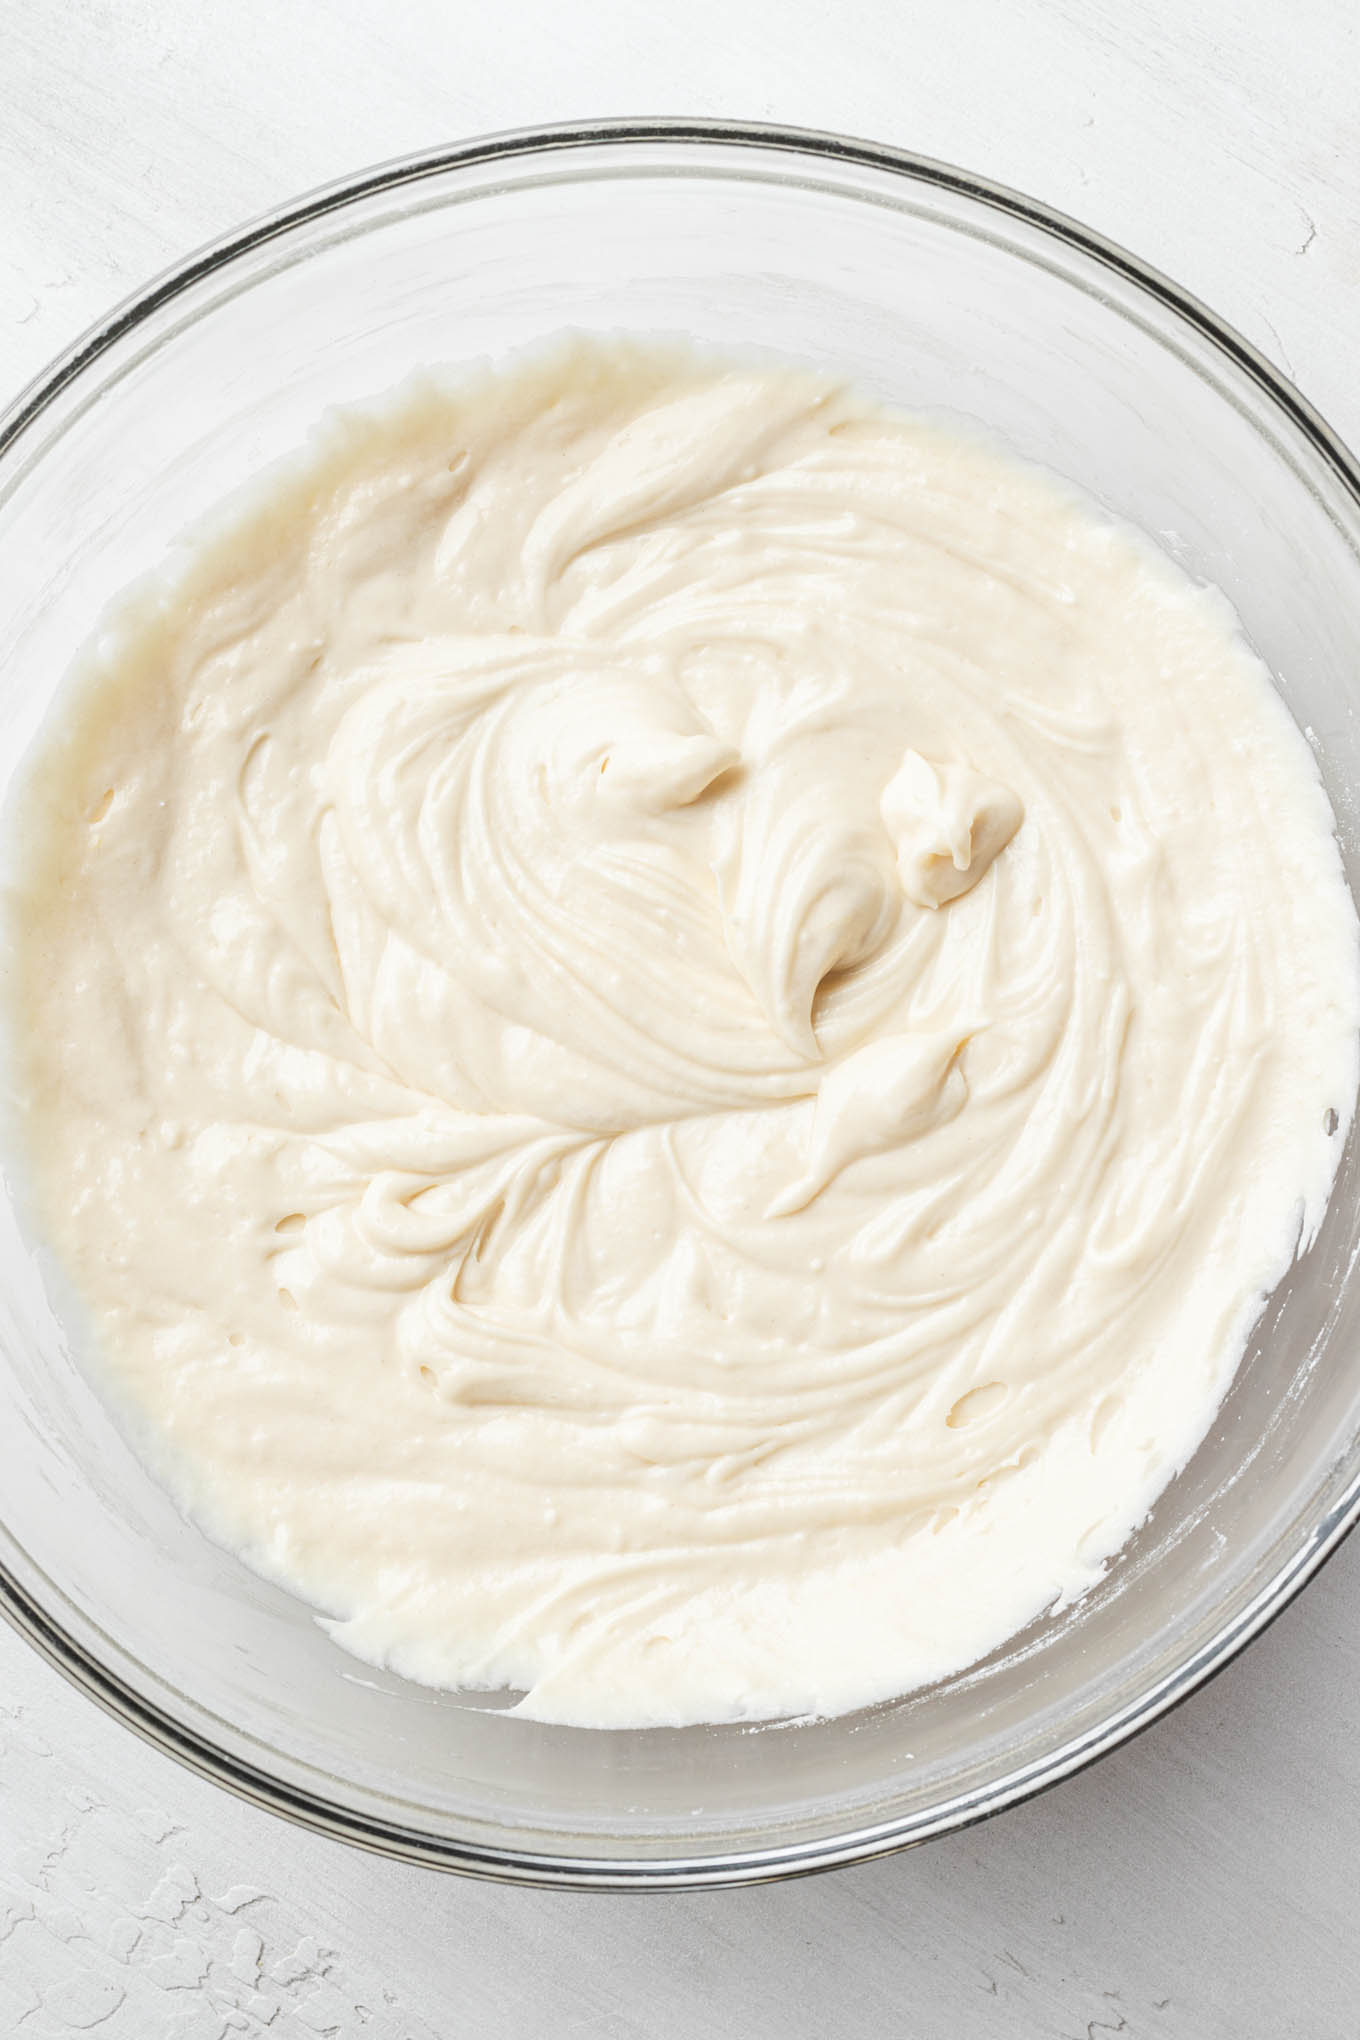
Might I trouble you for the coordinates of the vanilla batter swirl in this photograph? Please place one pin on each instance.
(748, 996)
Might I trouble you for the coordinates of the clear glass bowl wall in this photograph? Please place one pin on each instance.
(933, 293)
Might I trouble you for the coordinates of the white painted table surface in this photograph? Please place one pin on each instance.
(1204, 1882)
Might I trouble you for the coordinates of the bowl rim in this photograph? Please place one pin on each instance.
(312, 1809)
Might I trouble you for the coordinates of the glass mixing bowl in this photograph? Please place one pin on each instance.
(933, 290)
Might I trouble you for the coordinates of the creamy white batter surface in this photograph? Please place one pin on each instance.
(673, 1026)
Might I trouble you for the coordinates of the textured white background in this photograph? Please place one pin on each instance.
(1201, 1885)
